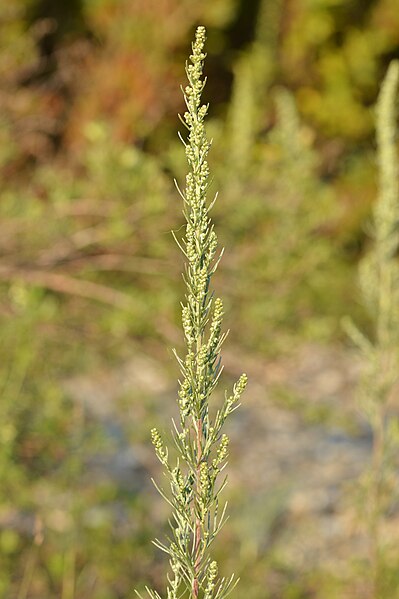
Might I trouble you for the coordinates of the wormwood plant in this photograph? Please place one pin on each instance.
(253, 75)
(379, 280)
(195, 480)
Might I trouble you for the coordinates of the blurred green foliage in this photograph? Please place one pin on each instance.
(89, 272)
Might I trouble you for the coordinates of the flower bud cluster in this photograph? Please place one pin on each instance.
(207, 477)
(211, 580)
(160, 450)
(202, 359)
(221, 452)
(187, 325)
(216, 327)
(239, 387)
(238, 390)
(204, 479)
(212, 247)
(182, 489)
(185, 397)
(176, 569)
(202, 284)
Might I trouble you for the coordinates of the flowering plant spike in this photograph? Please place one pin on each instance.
(379, 282)
(196, 479)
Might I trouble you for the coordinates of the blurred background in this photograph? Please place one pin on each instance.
(90, 284)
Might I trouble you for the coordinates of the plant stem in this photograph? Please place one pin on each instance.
(197, 539)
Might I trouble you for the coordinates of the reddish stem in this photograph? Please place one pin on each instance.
(197, 534)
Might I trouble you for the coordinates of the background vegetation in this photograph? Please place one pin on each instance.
(90, 283)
